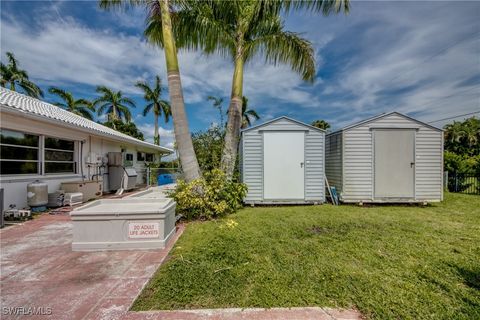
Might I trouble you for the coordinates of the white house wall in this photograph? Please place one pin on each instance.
(15, 186)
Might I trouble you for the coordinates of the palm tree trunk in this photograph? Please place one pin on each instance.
(156, 136)
(234, 120)
(183, 138)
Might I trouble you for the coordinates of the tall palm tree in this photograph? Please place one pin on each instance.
(153, 95)
(113, 104)
(11, 75)
(81, 107)
(160, 11)
(217, 104)
(248, 114)
(240, 30)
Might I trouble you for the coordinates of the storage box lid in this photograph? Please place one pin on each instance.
(120, 207)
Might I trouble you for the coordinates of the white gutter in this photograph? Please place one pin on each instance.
(126, 139)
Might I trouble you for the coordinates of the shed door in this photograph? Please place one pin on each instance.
(394, 163)
(283, 165)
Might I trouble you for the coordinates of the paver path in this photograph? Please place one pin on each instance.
(40, 273)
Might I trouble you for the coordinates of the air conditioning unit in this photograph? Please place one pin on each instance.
(73, 198)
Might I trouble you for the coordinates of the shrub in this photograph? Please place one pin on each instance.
(209, 197)
(208, 147)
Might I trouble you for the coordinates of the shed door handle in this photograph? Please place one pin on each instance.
(412, 164)
(301, 164)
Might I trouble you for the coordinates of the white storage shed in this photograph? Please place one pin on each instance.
(282, 161)
(388, 158)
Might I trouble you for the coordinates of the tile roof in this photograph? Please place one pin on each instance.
(30, 106)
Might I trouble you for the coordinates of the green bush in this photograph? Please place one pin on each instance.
(464, 164)
(208, 147)
(209, 197)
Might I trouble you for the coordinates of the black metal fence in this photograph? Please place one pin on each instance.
(463, 183)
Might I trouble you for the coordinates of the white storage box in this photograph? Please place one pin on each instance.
(150, 193)
(118, 224)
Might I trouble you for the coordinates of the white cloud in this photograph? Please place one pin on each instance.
(67, 53)
(408, 57)
(167, 137)
(363, 58)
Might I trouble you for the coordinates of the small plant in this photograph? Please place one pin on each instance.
(209, 197)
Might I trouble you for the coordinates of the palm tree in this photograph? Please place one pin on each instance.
(217, 104)
(322, 124)
(81, 107)
(471, 132)
(159, 10)
(13, 76)
(247, 114)
(159, 106)
(240, 30)
(113, 104)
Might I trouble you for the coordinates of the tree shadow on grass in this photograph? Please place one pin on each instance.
(471, 277)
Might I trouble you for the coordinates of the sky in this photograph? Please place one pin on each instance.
(419, 58)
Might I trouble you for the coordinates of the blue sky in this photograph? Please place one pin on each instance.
(419, 58)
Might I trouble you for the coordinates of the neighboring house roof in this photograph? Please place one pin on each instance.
(379, 116)
(285, 118)
(40, 110)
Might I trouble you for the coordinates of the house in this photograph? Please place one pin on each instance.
(282, 161)
(387, 158)
(42, 141)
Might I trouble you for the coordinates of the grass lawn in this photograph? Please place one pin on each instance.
(386, 261)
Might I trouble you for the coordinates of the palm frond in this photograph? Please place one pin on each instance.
(287, 48)
(324, 6)
(129, 102)
(252, 113)
(147, 109)
(166, 110)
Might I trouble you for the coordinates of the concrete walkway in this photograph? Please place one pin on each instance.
(40, 274)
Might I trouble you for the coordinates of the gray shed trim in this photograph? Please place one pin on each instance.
(252, 170)
(280, 118)
(362, 122)
(357, 159)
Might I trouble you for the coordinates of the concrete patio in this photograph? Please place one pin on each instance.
(42, 278)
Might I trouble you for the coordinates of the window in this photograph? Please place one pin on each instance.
(128, 159)
(140, 156)
(149, 157)
(19, 153)
(59, 155)
(24, 153)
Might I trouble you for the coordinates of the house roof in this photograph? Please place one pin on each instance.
(379, 116)
(280, 118)
(40, 110)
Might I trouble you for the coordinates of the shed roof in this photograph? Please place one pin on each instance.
(382, 115)
(39, 110)
(284, 118)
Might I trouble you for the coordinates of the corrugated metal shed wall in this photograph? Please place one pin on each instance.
(252, 164)
(314, 166)
(252, 159)
(333, 160)
(358, 154)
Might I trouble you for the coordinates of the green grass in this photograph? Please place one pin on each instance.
(387, 261)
